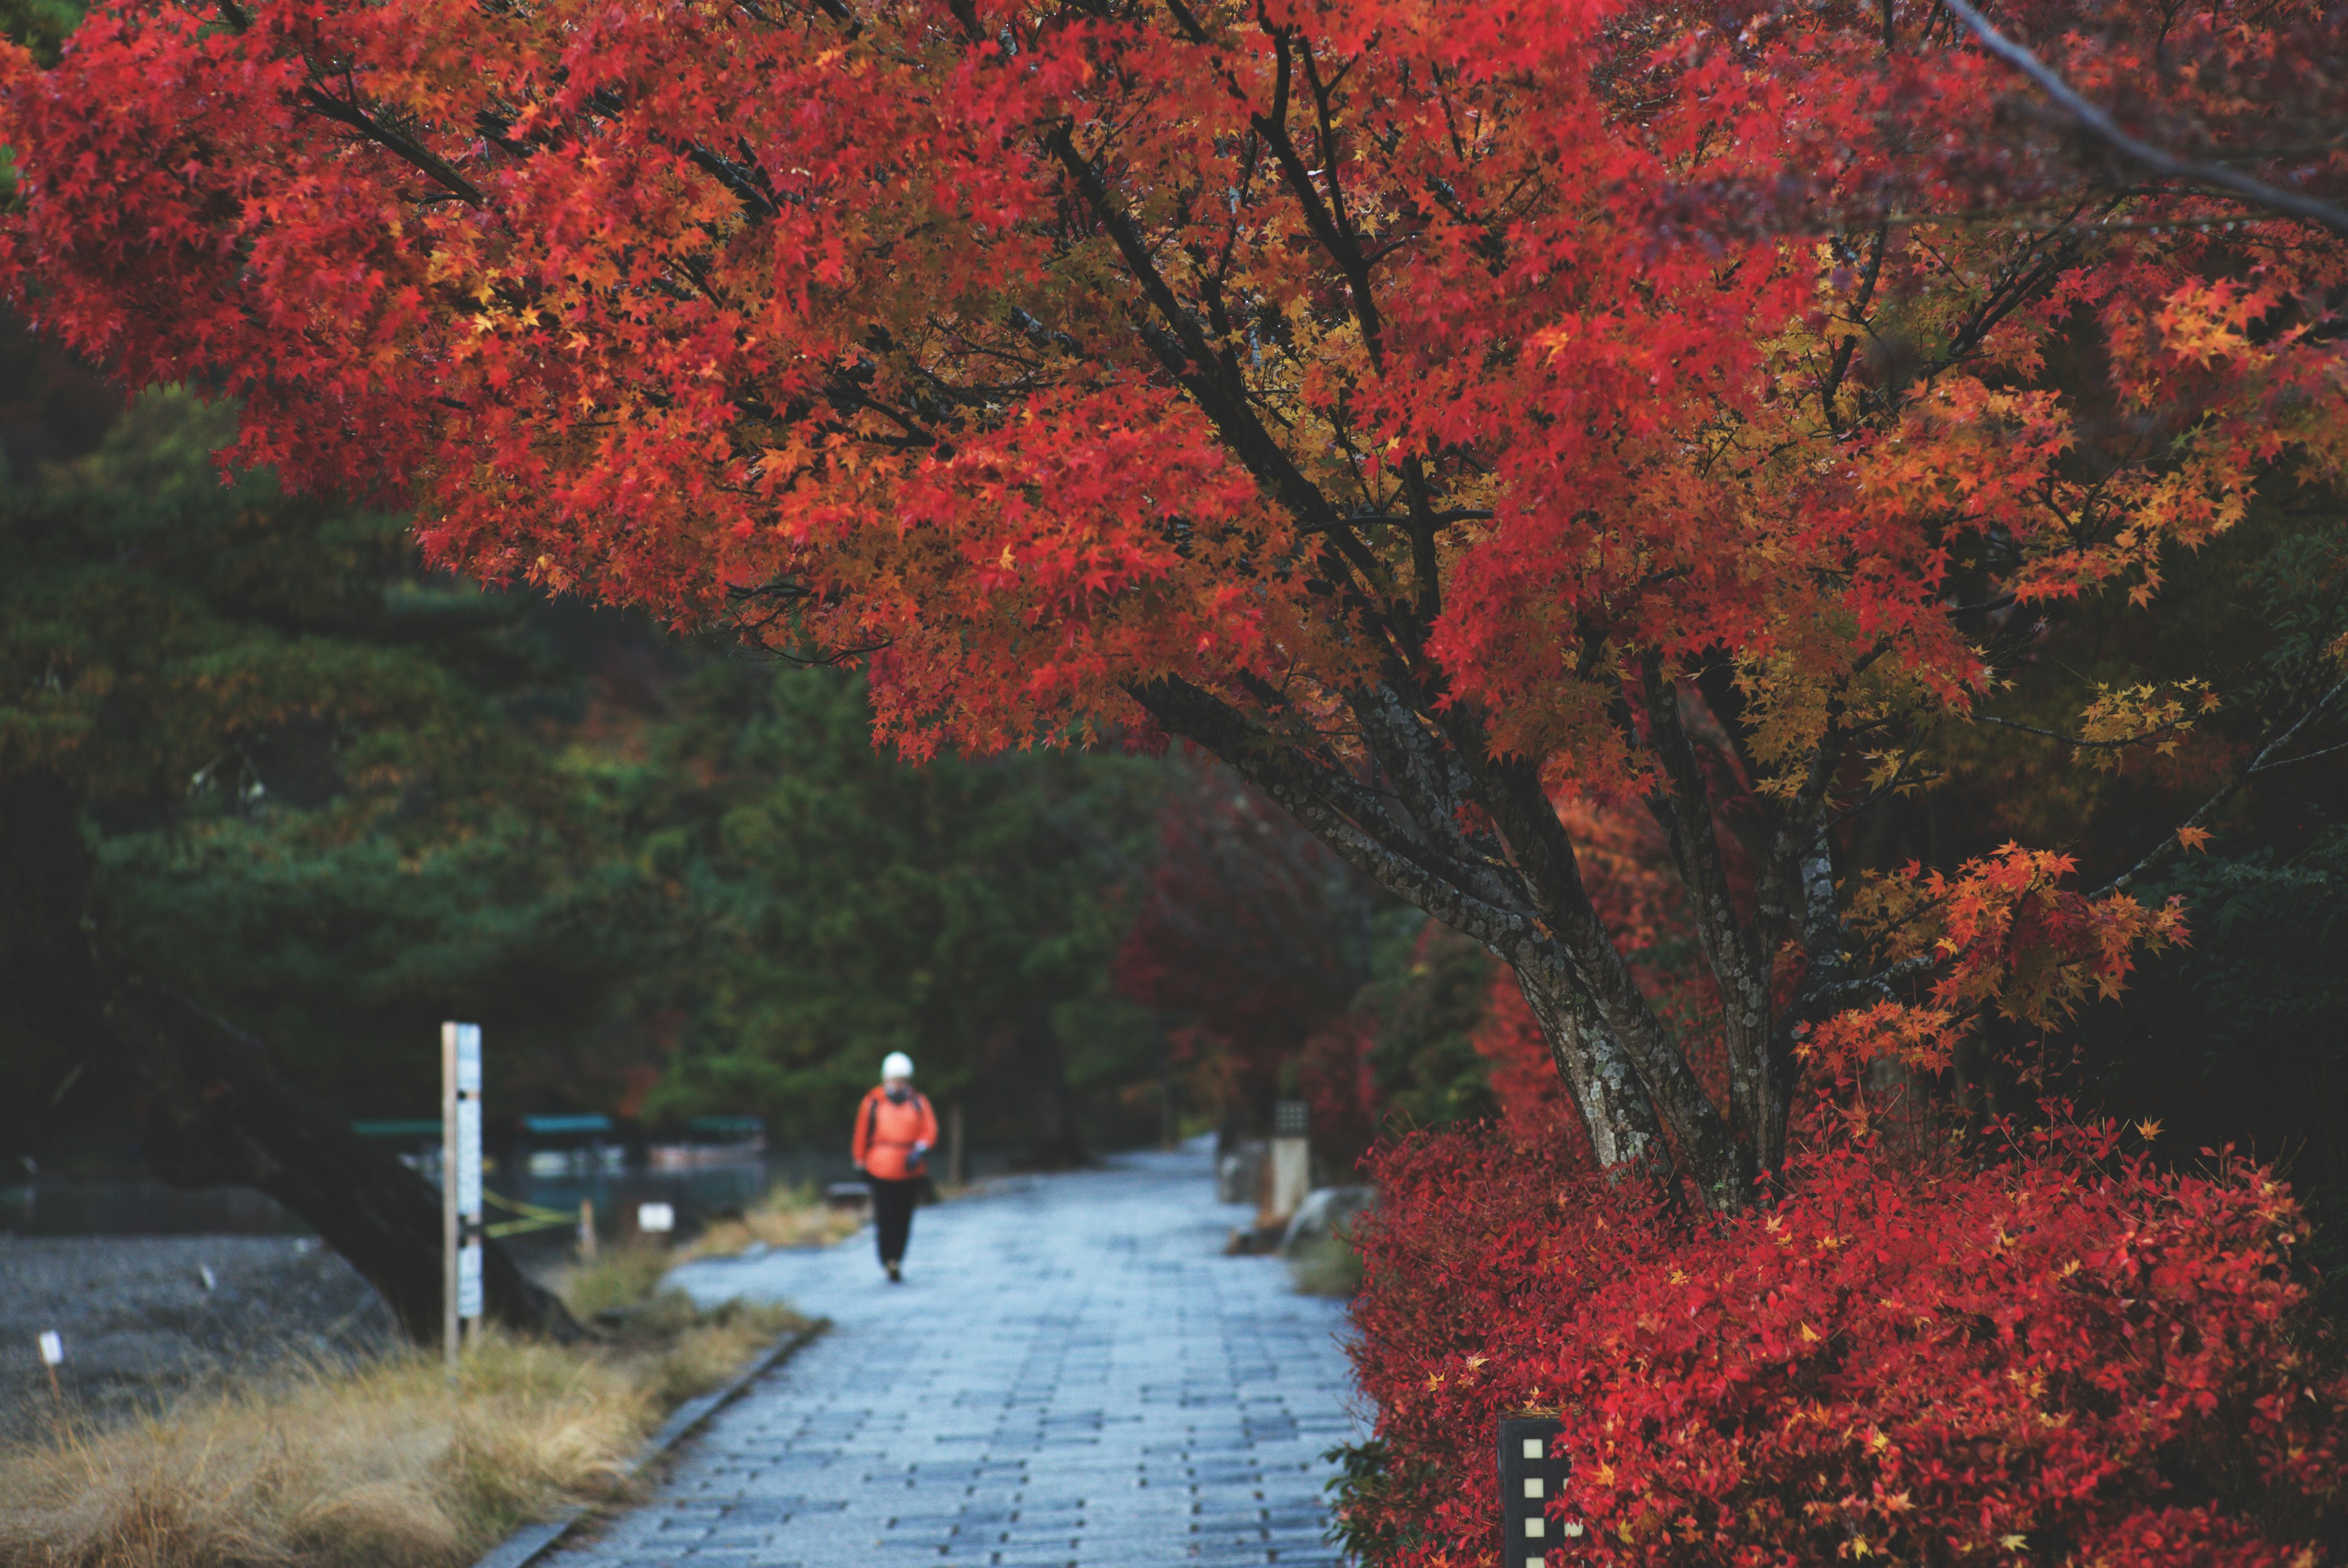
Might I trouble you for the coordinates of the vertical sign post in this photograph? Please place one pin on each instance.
(460, 1182)
(1532, 1464)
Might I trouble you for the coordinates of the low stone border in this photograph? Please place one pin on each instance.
(531, 1542)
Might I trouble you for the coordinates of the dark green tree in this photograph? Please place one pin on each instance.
(254, 767)
(846, 905)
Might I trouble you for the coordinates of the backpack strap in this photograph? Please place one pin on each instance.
(871, 1117)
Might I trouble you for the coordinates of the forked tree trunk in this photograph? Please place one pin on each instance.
(218, 1111)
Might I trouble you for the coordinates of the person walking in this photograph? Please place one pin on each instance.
(895, 1130)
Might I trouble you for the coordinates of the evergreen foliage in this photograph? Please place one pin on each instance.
(846, 905)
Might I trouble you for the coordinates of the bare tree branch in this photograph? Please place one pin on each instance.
(2167, 846)
(2135, 148)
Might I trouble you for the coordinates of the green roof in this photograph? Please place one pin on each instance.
(566, 1124)
(726, 1124)
(398, 1127)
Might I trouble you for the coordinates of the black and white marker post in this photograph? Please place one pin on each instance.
(1533, 1465)
(460, 1183)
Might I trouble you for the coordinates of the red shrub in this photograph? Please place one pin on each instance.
(2063, 1359)
(1534, 1107)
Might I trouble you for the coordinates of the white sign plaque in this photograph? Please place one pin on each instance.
(655, 1217)
(469, 1301)
(468, 1157)
(469, 1059)
(53, 1349)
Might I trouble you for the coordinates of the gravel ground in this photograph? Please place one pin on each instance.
(139, 1323)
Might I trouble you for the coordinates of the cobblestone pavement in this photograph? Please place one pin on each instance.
(1071, 1375)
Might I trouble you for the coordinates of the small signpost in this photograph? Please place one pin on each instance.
(460, 1183)
(655, 1219)
(1532, 1466)
(53, 1356)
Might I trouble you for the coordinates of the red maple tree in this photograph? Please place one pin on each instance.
(1433, 410)
(1248, 933)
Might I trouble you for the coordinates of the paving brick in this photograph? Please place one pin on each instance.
(1071, 1376)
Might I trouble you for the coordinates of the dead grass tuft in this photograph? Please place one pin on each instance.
(786, 1216)
(379, 1465)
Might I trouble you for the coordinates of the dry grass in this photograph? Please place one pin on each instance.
(786, 1216)
(381, 1464)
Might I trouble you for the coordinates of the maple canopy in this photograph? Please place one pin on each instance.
(1438, 410)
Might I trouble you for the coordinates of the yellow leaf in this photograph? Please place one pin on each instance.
(2193, 837)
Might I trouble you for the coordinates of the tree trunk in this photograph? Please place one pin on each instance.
(218, 1111)
(1043, 1075)
(1505, 874)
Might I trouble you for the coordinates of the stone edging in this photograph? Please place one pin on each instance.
(531, 1542)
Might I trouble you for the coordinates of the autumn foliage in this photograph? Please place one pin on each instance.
(1438, 411)
(2063, 1356)
(1589, 461)
(1245, 935)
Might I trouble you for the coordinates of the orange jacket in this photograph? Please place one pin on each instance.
(886, 1133)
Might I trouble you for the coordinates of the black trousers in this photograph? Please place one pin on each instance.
(892, 1214)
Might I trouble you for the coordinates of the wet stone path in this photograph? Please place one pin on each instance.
(1071, 1375)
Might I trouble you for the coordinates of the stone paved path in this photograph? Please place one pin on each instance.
(1070, 1374)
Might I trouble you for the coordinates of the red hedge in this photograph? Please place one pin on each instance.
(2065, 1358)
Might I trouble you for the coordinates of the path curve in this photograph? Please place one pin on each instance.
(1071, 1375)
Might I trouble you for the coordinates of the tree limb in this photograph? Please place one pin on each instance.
(2135, 148)
(398, 144)
(2160, 853)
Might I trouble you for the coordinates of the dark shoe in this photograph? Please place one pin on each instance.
(894, 1276)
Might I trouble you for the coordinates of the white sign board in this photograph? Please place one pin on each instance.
(469, 1058)
(468, 1155)
(53, 1349)
(470, 1298)
(460, 1181)
(655, 1217)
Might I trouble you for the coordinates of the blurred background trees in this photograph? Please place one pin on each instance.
(335, 799)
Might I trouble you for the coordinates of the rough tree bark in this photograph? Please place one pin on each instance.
(218, 1112)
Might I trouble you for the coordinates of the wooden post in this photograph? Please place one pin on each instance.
(957, 1156)
(449, 1319)
(586, 1227)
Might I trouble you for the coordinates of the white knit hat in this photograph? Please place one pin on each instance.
(896, 1065)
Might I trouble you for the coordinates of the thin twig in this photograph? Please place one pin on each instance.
(2081, 741)
(2135, 148)
(2167, 846)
